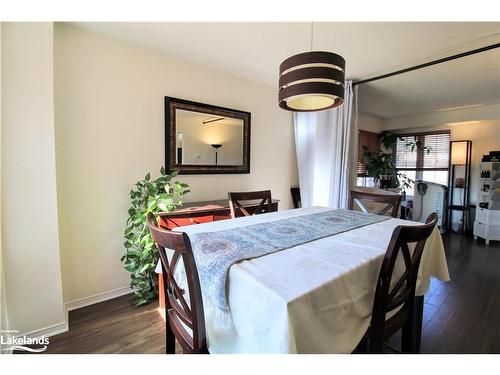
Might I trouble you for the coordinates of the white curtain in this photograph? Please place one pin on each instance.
(325, 144)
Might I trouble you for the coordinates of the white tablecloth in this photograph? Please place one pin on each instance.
(312, 298)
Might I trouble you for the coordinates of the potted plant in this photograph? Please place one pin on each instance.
(381, 165)
(148, 197)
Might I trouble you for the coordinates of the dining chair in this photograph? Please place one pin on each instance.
(397, 297)
(391, 201)
(184, 321)
(237, 204)
(297, 202)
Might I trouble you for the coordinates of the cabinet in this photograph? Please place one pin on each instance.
(487, 224)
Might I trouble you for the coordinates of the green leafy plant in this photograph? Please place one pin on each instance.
(148, 197)
(381, 165)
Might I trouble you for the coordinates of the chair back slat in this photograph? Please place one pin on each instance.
(175, 294)
(179, 310)
(398, 294)
(398, 300)
(385, 209)
(237, 203)
(360, 205)
(183, 337)
(399, 284)
(392, 202)
(180, 315)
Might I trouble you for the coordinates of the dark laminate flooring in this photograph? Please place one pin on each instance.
(462, 316)
(114, 326)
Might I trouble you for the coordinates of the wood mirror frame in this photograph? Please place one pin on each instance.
(171, 105)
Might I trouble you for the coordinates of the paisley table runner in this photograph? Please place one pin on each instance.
(215, 252)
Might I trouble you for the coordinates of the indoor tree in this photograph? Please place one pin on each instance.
(380, 165)
(148, 197)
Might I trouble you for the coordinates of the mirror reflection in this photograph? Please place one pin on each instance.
(205, 139)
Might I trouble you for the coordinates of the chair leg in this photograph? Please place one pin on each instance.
(406, 338)
(418, 316)
(169, 337)
(362, 347)
(376, 342)
(412, 329)
(376, 347)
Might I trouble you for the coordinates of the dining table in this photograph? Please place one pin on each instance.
(313, 297)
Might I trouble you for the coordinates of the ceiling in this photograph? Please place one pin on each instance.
(463, 83)
(254, 51)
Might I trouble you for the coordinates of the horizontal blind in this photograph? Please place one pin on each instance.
(439, 157)
(419, 160)
(405, 159)
(371, 142)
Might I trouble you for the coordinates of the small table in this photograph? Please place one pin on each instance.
(213, 211)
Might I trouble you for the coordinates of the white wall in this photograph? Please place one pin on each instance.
(476, 113)
(110, 132)
(369, 123)
(198, 138)
(29, 202)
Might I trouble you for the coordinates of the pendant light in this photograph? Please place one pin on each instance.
(312, 81)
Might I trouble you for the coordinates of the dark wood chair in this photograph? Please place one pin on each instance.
(297, 202)
(180, 314)
(392, 201)
(399, 298)
(237, 203)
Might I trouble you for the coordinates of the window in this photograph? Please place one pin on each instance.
(371, 142)
(412, 175)
(365, 181)
(420, 165)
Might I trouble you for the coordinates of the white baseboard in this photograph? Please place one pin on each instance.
(100, 297)
(62, 327)
(48, 331)
(52, 330)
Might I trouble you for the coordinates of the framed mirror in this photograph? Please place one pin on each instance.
(205, 139)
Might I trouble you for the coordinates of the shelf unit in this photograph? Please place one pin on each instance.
(460, 163)
(487, 223)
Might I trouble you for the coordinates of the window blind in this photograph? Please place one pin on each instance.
(372, 143)
(419, 160)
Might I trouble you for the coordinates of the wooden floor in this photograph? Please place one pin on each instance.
(462, 316)
(114, 326)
